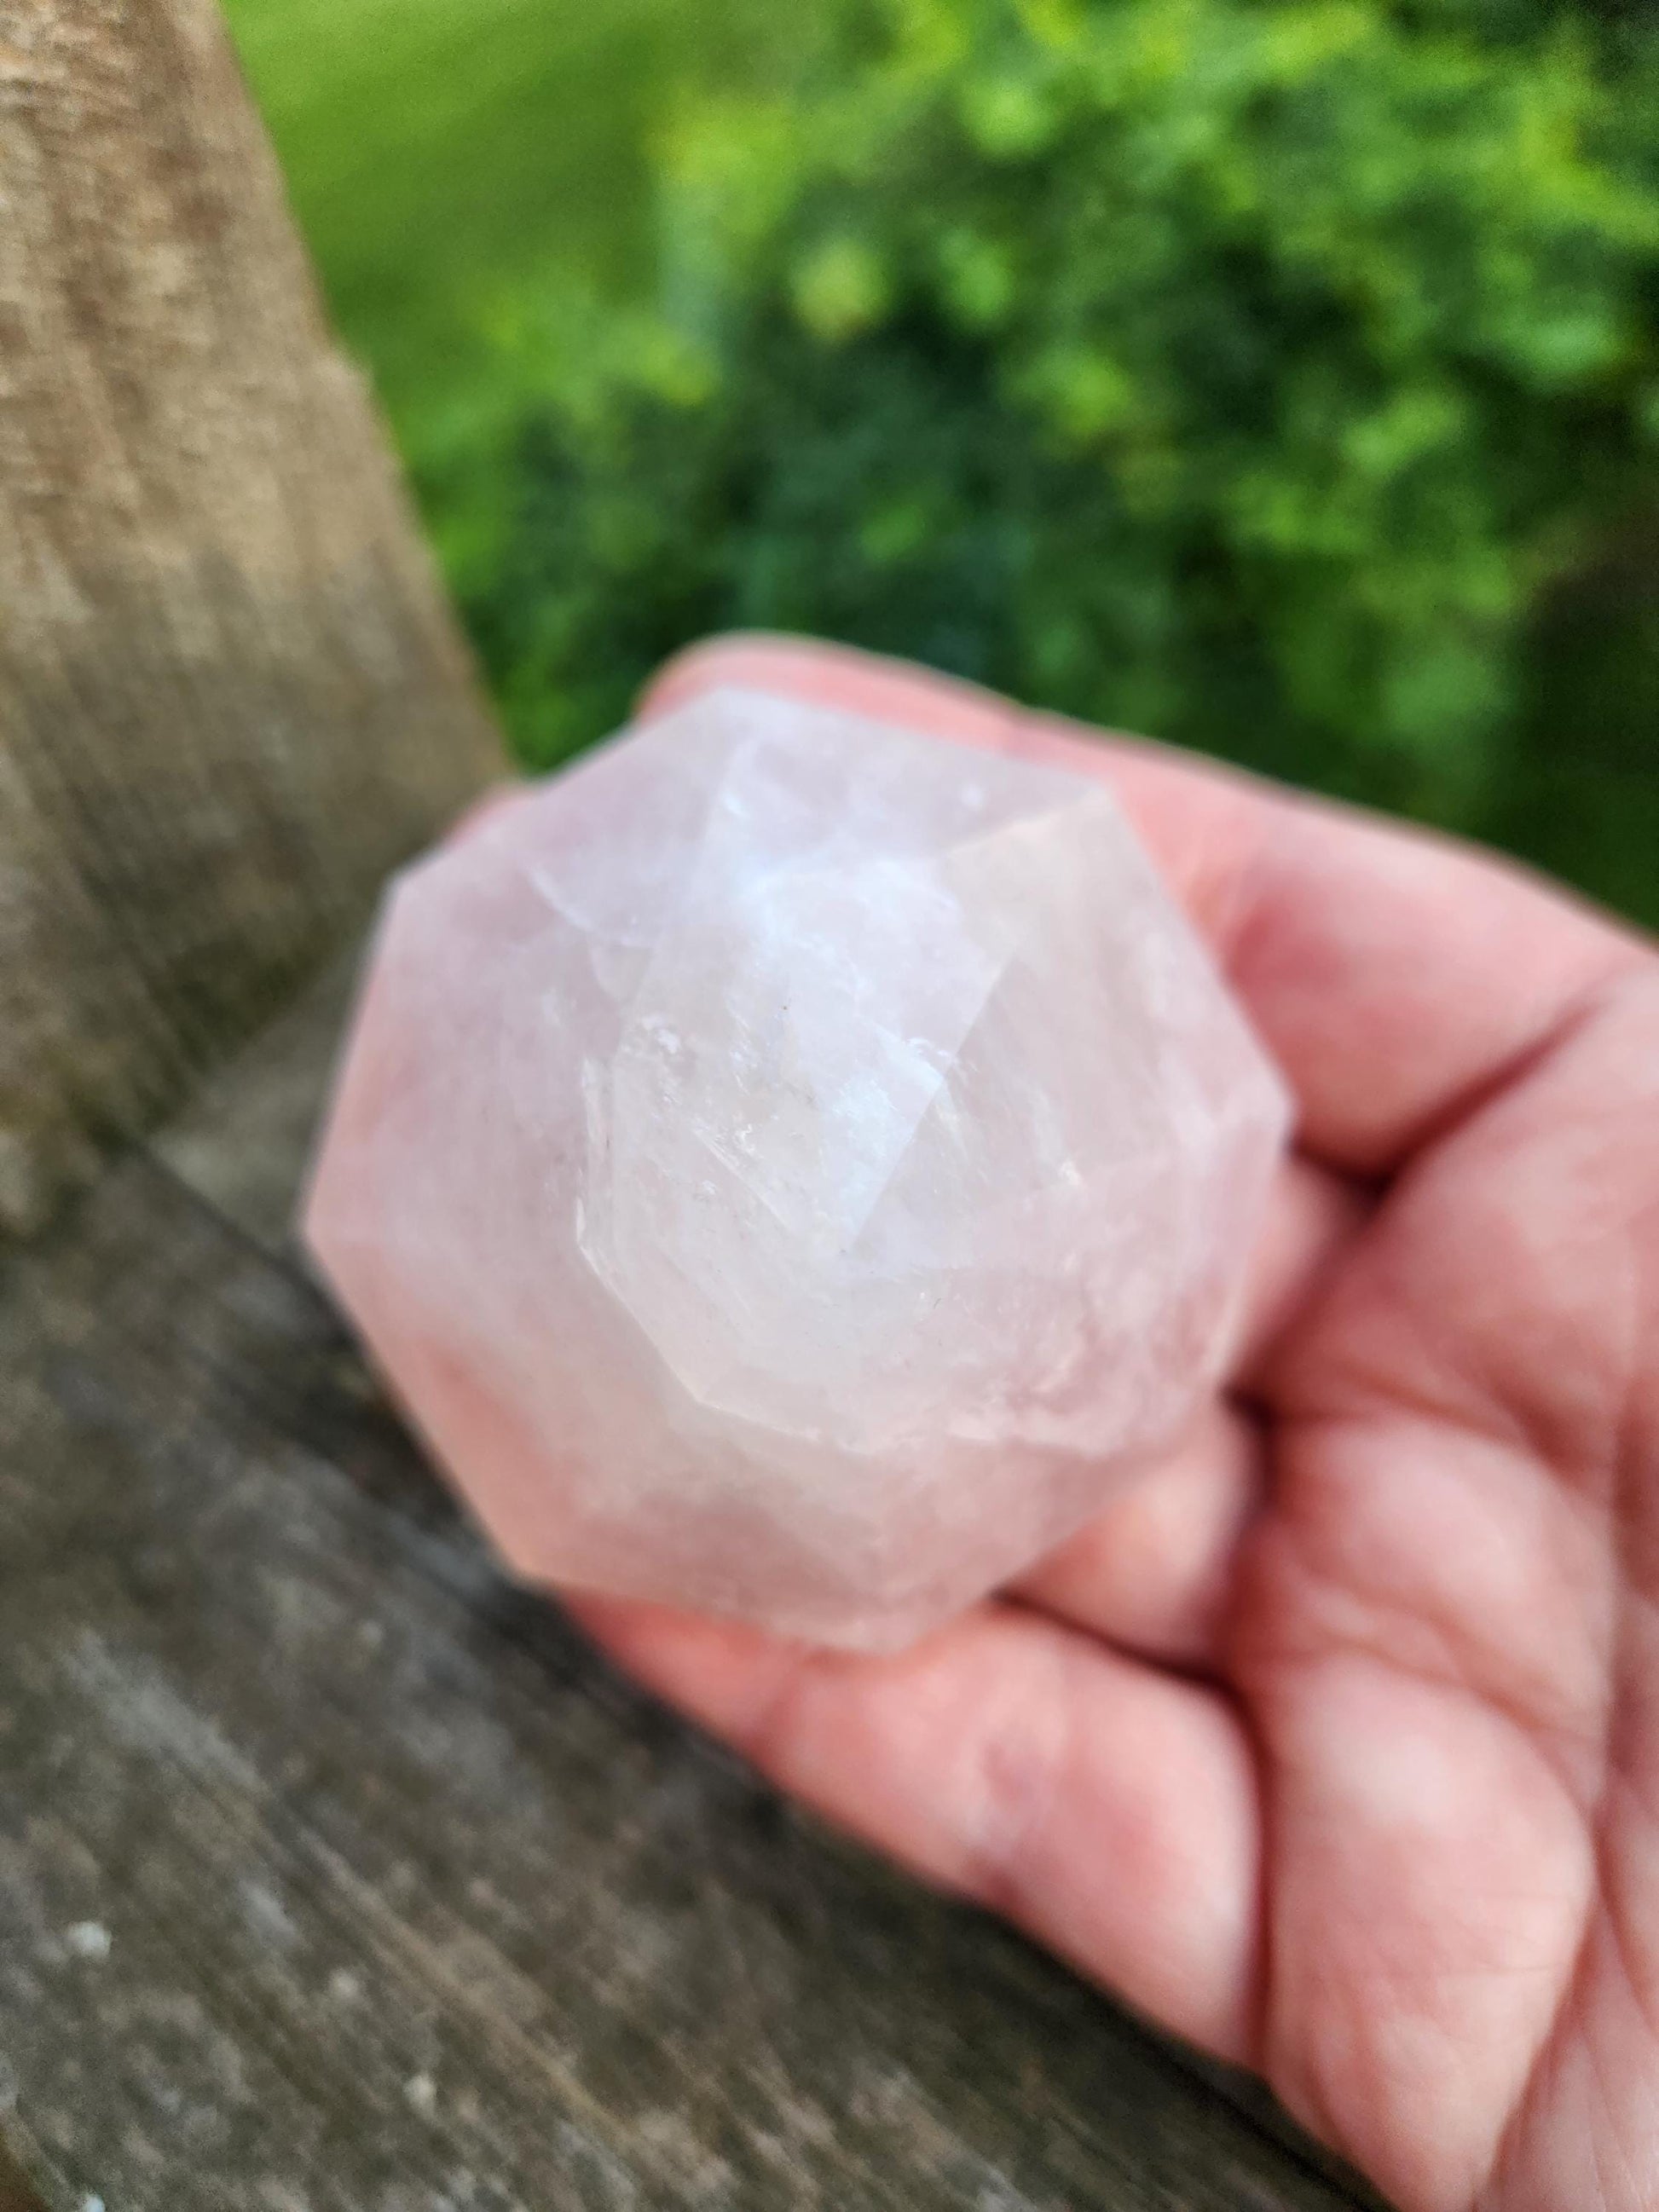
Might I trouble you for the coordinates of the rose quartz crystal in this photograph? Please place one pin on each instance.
(793, 1169)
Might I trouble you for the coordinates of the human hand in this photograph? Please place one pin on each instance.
(1333, 1746)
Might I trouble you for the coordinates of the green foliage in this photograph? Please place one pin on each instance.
(1261, 372)
(448, 158)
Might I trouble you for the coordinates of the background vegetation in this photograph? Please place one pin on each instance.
(1278, 375)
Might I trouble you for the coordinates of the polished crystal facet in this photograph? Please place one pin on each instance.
(792, 1168)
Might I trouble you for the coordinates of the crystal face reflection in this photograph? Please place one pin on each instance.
(792, 1168)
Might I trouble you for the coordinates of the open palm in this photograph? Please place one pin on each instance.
(1334, 1745)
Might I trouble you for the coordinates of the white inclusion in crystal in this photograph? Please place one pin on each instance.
(794, 1167)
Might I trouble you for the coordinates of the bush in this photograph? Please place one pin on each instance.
(1267, 373)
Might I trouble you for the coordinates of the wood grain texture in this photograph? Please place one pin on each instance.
(336, 1873)
(243, 1140)
(17, 2192)
(230, 693)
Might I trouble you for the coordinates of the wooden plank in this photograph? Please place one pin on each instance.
(230, 693)
(17, 2192)
(243, 1141)
(336, 1874)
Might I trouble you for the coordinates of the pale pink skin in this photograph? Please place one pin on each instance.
(1334, 1746)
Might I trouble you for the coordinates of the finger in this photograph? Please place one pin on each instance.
(491, 804)
(1396, 975)
(837, 676)
(1153, 1571)
(1108, 1809)
(1313, 1215)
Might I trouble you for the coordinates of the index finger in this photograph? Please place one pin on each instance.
(1396, 974)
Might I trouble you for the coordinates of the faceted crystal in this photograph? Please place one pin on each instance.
(791, 1168)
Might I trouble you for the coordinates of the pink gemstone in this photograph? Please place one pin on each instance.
(793, 1169)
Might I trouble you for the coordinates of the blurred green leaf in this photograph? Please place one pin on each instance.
(1277, 375)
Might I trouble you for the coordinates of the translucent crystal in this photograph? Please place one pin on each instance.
(792, 1168)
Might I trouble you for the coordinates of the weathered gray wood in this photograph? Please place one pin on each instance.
(230, 695)
(17, 2193)
(335, 1874)
(243, 1141)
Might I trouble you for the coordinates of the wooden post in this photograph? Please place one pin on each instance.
(231, 695)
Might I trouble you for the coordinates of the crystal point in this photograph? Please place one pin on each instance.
(793, 1168)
